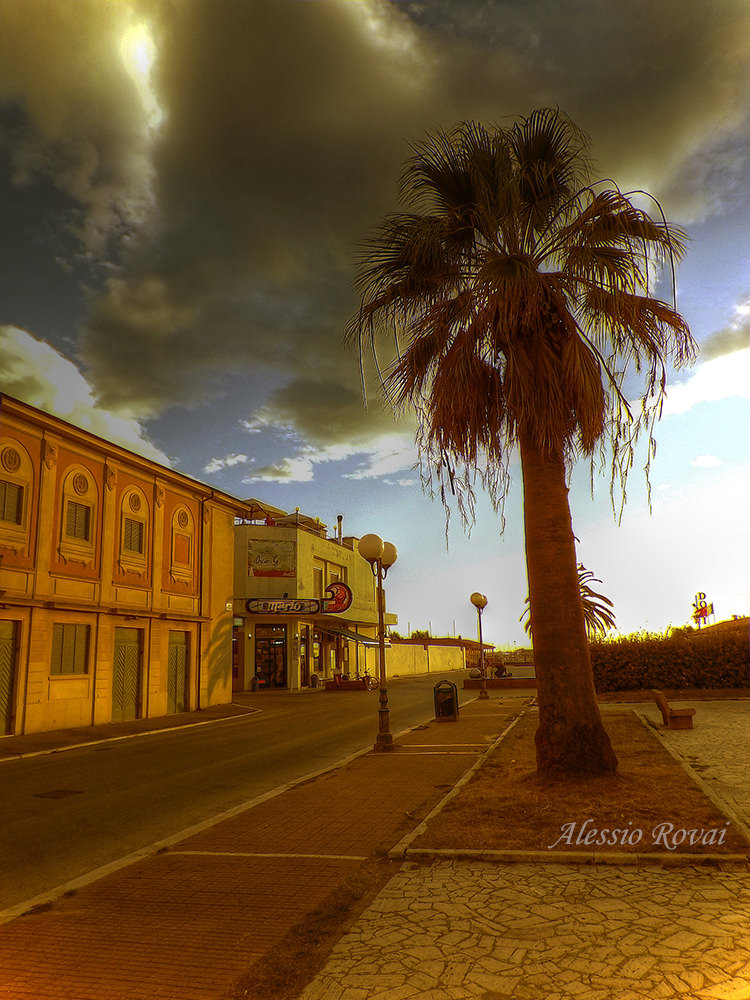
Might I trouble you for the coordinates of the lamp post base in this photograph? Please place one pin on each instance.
(384, 739)
(384, 743)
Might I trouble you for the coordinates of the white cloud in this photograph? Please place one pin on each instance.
(388, 455)
(38, 375)
(721, 378)
(706, 462)
(298, 469)
(217, 464)
(382, 456)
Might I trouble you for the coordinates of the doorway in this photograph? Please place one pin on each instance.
(177, 673)
(304, 655)
(7, 676)
(127, 673)
(270, 655)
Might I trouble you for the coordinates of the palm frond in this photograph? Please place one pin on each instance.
(517, 291)
(598, 610)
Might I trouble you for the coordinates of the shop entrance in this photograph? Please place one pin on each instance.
(304, 655)
(270, 655)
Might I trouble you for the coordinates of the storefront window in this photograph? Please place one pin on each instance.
(270, 655)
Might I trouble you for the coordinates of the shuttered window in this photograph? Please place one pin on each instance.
(78, 521)
(11, 502)
(133, 535)
(70, 649)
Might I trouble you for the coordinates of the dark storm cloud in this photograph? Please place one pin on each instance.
(284, 128)
(324, 413)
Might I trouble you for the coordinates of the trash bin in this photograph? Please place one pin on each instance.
(446, 701)
(254, 683)
(313, 680)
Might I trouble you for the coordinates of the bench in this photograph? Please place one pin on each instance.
(674, 718)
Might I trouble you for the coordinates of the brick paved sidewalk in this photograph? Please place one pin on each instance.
(185, 923)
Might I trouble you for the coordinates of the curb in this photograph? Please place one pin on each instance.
(400, 850)
(62, 748)
(643, 859)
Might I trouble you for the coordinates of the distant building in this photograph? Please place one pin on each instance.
(115, 580)
(282, 635)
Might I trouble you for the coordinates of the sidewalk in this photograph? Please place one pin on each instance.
(30, 744)
(469, 930)
(186, 922)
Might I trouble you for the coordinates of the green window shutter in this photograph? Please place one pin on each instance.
(78, 520)
(70, 648)
(133, 536)
(11, 502)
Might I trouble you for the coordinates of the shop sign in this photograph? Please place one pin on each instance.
(266, 557)
(339, 599)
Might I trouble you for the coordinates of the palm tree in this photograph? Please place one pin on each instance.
(519, 294)
(598, 610)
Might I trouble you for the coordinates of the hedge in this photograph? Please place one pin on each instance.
(681, 659)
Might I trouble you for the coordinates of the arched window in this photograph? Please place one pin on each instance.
(134, 532)
(79, 517)
(183, 545)
(16, 480)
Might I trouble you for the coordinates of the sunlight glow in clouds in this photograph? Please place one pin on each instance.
(138, 54)
(37, 374)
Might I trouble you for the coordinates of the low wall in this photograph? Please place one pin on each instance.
(408, 660)
(500, 682)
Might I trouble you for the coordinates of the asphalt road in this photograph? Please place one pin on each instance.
(69, 813)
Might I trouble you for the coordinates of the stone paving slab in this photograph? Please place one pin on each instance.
(458, 930)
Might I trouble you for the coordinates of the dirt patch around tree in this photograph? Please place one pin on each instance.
(650, 805)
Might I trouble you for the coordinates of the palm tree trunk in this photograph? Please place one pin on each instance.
(571, 737)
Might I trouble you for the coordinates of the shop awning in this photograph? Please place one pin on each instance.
(365, 640)
(256, 509)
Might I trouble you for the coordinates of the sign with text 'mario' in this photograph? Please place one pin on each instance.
(339, 598)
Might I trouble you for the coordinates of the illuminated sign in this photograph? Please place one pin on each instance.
(339, 599)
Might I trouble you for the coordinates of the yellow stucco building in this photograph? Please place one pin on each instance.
(284, 634)
(116, 578)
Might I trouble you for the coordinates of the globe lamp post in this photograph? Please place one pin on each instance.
(381, 556)
(480, 603)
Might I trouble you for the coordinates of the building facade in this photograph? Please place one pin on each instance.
(282, 636)
(116, 581)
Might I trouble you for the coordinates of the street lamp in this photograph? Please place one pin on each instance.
(381, 556)
(480, 603)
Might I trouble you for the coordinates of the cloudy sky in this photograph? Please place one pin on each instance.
(182, 188)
